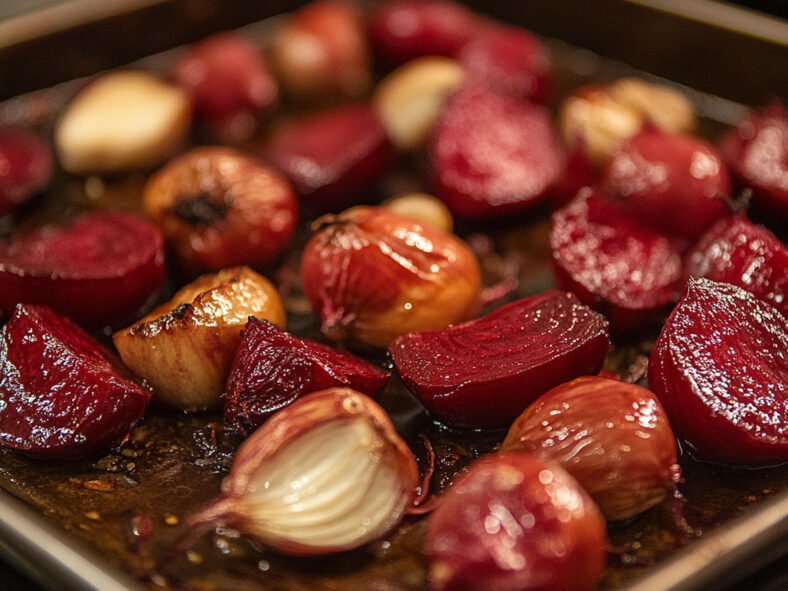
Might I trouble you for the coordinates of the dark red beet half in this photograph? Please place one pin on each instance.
(720, 368)
(62, 394)
(25, 167)
(273, 369)
(614, 263)
(402, 30)
(736, 251)
(98, 269)
(757, 152)
(508, 60)
(673, 182)
(492, 155)
(334, 157)
(483, 373)
(513, 522)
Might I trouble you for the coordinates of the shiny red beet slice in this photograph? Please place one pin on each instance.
(62, 394)
(25, 167)
(673, 182)
(613, 263)
(99, 268)
(736, 251)
(508, 60)
(334, 157)
(492, 155)
(757, 152)
(513, 522)
(483, 373)
(273, 368)
(227, 79)
(406, 29)
(720, 368)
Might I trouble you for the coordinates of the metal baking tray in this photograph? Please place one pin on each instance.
(75, 525)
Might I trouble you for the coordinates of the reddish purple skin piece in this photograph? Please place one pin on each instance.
(676, 183)
(272, 369)
(402, 30)
(25, 167)
(485, 372)
(613, 263)
(508, 60)
(514, 523)
(333, 158)
(757, 153)
(62, 394)
(736, 251)
(720, 369)
(98, 269)
(492, 155)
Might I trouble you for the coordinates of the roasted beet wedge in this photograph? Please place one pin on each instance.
(757, 152)
(26, 167)
(62, 394)
(721, 371)
(483, 373)
(273, 368)
(613, 263)
(509, 60)
(98, 269)
(334, 157)
(492, 155)
(736, 251)
(674, 182)
(406, 29)
(512, 523)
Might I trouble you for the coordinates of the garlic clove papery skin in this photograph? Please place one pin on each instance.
(327, 474)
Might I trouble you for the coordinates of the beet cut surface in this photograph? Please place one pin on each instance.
(25, 167)
(736, 251)
(485, 372)
(273, 368)
(99, 268)
(492, 155)
(720, 368)
(613, 263)
(62, 394)
(333, 157)
(514, 523)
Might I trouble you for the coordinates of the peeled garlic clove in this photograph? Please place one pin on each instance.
(664, 107)
(422, 207)
(122, 121)
(326, 474)
(185, 347)
(410, 99)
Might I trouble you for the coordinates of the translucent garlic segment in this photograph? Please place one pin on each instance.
(185, 347)
(333, 488)
(664, 107)
(422, 207)
(122, 121)
(410, 99)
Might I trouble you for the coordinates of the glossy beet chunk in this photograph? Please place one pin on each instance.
(508, 60)
(228, 81)
(273, 369)
(406, 29)
(25, 167)
(333, 158)
(720, 368)
(613, 263)
(736, 251)
(62, 394)
(485, 372)
(513, 522)
(674, 182)
(98, 269)
(492, 155)
(757, 152)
